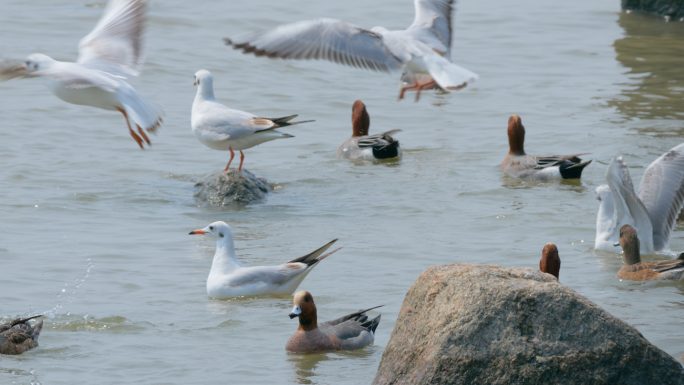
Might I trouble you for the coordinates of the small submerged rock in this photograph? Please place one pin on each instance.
(223, 188)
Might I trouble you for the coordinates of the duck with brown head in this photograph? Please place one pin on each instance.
(520, 165)
(635, 270)
(550, 262)
(364, 146)
(351, 332)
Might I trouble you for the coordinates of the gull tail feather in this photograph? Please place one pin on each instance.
(448, 75)
(143, 112)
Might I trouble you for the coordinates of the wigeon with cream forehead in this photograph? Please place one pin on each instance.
(364, 146)
(228, 278)
(520, 165)
(635, 270)
(351, 332)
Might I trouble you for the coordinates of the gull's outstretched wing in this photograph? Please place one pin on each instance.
(115, 45)
(662, 193)
(433, 21)
(629, 210)
(327, 39)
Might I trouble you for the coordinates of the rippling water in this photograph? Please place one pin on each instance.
(94, 229)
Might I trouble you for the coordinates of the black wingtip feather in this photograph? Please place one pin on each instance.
(568, 170)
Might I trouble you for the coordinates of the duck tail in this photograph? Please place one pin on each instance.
(569, 170)
(371, 325)
(387, 151)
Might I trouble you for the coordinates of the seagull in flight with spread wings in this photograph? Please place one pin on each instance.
(422, 50)
(111, 52)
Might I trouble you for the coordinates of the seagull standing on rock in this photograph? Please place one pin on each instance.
(221, 128)
(111, 52)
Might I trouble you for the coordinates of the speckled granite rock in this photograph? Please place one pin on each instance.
(673, 9)
(485, 324)
(221, 188)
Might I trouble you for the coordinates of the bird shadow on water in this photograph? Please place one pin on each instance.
(525, 184)
(304, 365)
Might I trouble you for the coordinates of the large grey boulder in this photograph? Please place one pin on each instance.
(669, 8)
(223, 188)
(485, 324)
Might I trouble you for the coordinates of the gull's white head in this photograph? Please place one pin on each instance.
(36, 62)
(217, 230)
(203, 78)
(205, 85)
(603, 193)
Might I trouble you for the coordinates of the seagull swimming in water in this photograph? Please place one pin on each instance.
(111, 52)
(422, 50)
(228, 278)
(652, 212)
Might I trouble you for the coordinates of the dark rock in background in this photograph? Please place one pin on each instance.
(223, 188)
(673, 9)
(485, 324)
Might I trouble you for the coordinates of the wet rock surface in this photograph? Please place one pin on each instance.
(485, 324)
(673, 9)
(233, 187)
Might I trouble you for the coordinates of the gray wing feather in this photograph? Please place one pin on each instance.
(662, 193)
(433, 19)
(70, 78)
(327, 39)
(382, 139)
(115, 44)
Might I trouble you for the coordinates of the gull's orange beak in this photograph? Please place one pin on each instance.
(21, 68)
(197, 232)
(195, 83)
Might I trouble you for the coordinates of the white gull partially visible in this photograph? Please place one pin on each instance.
(652, 212)
(422, 50)
(111, 52)
(221, 128)
(228, 278)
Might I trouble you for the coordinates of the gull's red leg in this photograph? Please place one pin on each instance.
(242, 159)
(133, 134)
(142, 133)
(232, 155)
(422, 87)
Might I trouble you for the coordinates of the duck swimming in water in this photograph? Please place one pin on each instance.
(520, 165)
(18, 336)
(351, 332)
(364, 146)
(635, 270)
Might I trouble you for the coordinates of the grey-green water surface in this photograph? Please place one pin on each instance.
(94, 230)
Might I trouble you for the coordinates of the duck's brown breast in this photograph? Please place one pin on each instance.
(312, 341)
(639, 272)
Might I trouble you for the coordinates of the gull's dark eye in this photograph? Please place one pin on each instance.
(221, 235)
(211, 227)
(306, 299)
(198, 82)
